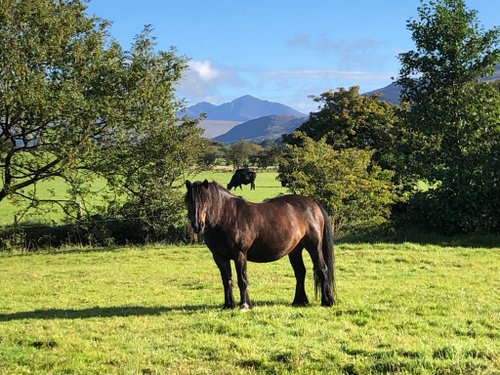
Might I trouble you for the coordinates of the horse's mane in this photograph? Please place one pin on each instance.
(218, 195)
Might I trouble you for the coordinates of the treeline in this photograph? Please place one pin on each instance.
(76, 105)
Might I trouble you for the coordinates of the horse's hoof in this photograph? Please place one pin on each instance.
(327, 303)
(245, 307)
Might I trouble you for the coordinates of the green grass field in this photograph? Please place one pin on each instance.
(156, 310)
(266, 187)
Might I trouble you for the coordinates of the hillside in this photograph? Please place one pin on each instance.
(390, 93)
(262, 128)
(242, 109)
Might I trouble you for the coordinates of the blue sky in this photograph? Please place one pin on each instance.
(277, 50)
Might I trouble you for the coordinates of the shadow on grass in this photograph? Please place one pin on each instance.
(423, 238)
(118, 311)
(103, 312)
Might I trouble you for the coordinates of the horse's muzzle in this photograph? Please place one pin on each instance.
(199, 222)
(198, 226)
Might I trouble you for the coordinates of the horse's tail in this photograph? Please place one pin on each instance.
(328, 256)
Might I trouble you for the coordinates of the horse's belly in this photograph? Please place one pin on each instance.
(260, 256)
(268, 252)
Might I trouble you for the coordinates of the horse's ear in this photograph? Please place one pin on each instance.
(188, 184)
(205, 184)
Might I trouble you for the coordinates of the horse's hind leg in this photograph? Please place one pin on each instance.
(299, 270)
(225, 272)
(320, 273)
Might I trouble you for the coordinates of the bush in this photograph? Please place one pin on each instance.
(451, 210)
(357, 193)
(99, 231)
(157, 211)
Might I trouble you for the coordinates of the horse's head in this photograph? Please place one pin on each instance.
(198, 202)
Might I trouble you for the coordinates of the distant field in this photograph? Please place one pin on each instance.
(53, 189)
(266, 187)
(156, 310)
(214, 128)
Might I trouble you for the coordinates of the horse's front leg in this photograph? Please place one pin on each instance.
(224, 265)
(241, 272)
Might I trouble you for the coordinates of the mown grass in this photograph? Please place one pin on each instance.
(402, 309)
(266, 187)
(52, 189)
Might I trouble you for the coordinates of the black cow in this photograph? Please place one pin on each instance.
(243, 176)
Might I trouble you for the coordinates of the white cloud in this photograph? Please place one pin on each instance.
(214, 83)
(206, 81)
(204, 70)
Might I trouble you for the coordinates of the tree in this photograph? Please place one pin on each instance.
(74, 104)
(452, 121)
(212, 152)
(357, 193)
(439, 79)
(347, 119)
(238, 154)
(267, 156)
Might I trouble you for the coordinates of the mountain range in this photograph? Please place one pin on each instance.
(262, 128)
(242, 109)
(257, 120)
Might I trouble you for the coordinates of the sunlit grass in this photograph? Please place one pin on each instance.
(402, 308)
(55, 189)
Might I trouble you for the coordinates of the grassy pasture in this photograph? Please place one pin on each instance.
(402, 309)
(55, 188)
(266, 187)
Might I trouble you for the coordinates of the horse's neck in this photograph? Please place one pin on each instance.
(225, 206)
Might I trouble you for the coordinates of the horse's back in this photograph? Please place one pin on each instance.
(305, 211)
(299, 204)
(281, 223)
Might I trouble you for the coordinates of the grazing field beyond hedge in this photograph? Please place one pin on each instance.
(267, 186)
(402, 308)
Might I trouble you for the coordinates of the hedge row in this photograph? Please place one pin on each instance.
(94, 233)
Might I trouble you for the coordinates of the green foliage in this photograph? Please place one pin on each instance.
(470, 207)
(267, 156)
(239, 153)
(347, 119)
(403, 308)
(357, 193)
(212, 153)
(75, 105)
(451, 127)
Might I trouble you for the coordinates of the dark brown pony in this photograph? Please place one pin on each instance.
(263, 232)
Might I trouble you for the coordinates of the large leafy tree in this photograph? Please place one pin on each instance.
(74, 104)
(452, 124)
(347, 119)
